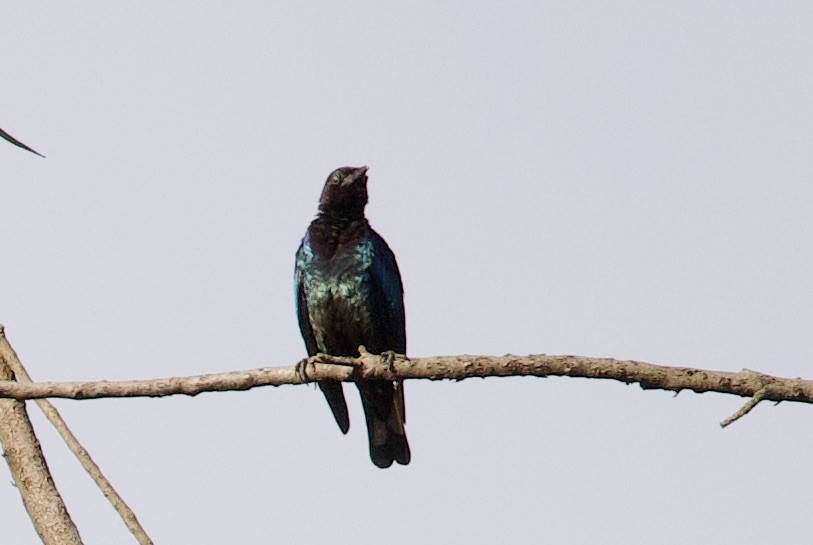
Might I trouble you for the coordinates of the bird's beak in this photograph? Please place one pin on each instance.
(357, 175)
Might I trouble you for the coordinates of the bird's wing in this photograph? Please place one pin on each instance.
(302, 306)
(384, 404)
(333, 390)
(389, 294)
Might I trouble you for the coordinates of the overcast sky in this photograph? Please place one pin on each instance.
(625, 179)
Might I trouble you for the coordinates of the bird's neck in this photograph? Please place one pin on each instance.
(341, 217)
(328, 234)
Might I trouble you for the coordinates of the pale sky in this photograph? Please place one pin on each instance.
(626, 179)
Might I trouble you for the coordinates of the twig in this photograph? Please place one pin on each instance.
(745, 409)
(28, 467)
(53, 416)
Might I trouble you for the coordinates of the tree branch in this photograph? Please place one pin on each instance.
(28, 467)
(127, 515)
(368, 366)
(9, 357)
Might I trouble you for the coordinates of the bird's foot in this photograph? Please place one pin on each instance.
(301, 368)
(388, 359)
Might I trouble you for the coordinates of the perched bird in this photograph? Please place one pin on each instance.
(349, 293)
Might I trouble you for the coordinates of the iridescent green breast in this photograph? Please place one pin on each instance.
(337, 292)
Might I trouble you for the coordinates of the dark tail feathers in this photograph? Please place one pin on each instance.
(383, 404)
(335, 398)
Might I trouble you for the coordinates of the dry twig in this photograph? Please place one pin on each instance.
(368, 366)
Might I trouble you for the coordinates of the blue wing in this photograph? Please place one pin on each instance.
(302, 306)
(383, 402)
(388, 296)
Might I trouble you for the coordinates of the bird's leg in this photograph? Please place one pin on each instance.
(327, 359)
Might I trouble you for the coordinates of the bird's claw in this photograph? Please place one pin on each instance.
(301, 370)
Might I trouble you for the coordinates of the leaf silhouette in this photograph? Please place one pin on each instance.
(16, 142)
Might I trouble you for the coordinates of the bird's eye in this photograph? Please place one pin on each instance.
(336, 178)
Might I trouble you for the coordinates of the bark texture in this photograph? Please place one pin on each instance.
(28, 467)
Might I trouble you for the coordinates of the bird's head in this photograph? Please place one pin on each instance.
(345, 192)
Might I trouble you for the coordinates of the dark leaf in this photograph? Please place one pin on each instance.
(16, 142)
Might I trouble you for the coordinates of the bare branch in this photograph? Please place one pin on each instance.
(28, 467)
(368, 366)
(53, 416)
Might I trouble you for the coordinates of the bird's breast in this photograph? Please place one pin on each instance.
(337, 293)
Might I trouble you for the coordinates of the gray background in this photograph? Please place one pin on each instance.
(630, 180)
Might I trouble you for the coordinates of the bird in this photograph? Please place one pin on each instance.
(349, 293)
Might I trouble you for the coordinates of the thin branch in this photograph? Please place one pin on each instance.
(368, 366)
(28, 467)
(53, 416)
(745, 409)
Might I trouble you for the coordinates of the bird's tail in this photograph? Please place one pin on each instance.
(335, 398)
(383, 404)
